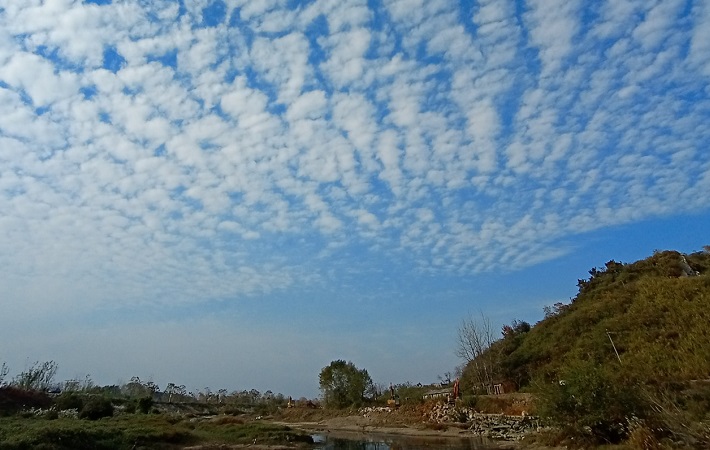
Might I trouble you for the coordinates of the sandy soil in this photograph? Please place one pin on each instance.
(358, 427)
(407, 421)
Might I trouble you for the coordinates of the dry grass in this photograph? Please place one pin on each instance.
(642, 438)
(228, 420)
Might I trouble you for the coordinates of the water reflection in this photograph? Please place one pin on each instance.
(397, 442)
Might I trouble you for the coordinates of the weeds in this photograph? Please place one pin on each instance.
(149, 432)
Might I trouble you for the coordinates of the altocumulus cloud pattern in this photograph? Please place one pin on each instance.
(176, 151)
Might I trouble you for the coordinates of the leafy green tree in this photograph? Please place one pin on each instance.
(344, 385)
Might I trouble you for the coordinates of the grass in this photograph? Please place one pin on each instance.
(145, 431)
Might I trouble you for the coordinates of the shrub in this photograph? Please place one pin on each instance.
(13, 400)
(69, 400)
(96, 408)
(144, 404)
(493, 405)
(229, 420)
(39, 377)
(469, 401)
(589, 405)
(641, 437)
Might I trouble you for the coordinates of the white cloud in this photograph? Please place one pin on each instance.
(284, 63)
(310, 105)
(453, 142)
(37, 77)
(699, 54)
(553, 27)
(346, 64)
(658, 23)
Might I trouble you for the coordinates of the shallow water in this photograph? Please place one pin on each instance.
(373, 441)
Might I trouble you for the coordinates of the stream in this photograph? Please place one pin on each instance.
(375, 441)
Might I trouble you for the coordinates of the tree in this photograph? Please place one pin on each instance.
(173, 389)
(137, 388)
(39, 377)
(445, 379)
(475, 337)
(3, 373)
(512, 363)
(344, 385)
(76, 385)
(221, 394)
(134, 388)
(516, 328)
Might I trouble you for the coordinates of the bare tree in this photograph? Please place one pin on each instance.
(3, 373)
(445, 379)
(475, 336)
(77, 385)
(173, 389)
(222, 394)
(170, 389)
(39, 377)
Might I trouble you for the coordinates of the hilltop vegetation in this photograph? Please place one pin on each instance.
(632, 344)
(657, 312)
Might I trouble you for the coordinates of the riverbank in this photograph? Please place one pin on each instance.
(431, 420)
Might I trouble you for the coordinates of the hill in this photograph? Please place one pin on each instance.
(632, 345)
(656, 312)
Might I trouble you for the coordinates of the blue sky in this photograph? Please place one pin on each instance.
(234, 193)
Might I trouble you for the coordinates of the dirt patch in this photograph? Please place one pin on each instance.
(514, 404)
(411, 420)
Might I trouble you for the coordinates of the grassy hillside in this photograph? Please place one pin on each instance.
(656, 311)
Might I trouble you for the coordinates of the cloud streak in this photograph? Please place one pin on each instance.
(153, 153)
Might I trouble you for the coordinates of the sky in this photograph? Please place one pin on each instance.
(232, 194)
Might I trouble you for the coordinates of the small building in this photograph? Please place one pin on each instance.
(501, 387)
(438, 394)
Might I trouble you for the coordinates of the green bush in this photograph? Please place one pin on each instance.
(589, 405)
(13, 400)
(144, 404)
(69, 400)
(130, 407)
(469, 401)
(96, 408)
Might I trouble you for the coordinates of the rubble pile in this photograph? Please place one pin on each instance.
(493, 426)
(369, 410)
